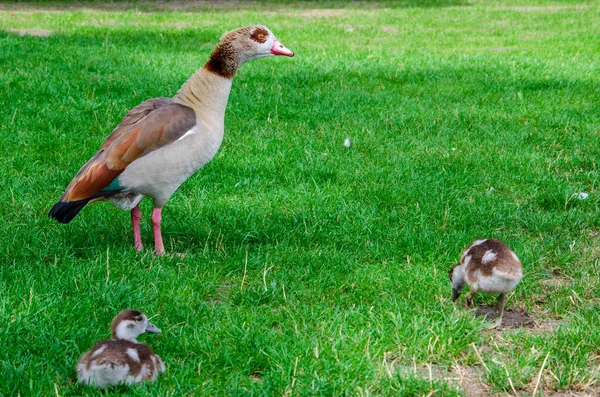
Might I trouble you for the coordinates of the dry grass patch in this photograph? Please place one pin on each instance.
(32, 32)
(548, 8)
(465, 378)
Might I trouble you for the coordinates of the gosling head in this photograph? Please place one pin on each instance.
(129, 324)
(457, 280)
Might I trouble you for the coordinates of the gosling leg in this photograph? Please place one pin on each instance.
(469, 296)
(501, 304)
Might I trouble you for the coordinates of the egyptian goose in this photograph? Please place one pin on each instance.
(121, 360)
(489, 266)
(162, 142)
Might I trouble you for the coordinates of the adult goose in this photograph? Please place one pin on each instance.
(162, 142)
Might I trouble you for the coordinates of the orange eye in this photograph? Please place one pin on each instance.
(260, 37)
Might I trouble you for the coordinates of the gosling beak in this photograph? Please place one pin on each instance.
(279, 49)
(152, 329)
(455, 294)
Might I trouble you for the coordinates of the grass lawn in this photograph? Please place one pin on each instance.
(311, 268)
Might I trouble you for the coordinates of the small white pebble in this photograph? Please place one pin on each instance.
(347, 142)
(582, 195)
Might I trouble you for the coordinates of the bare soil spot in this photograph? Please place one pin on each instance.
(256, 377)
(32, 32)
(551, 8)
(221, 293)
(393, 29)
(549, 326)
(161, 5)
(177, 25)
(555, 282)
(466, 378)
(502, 49)
(590, 392)
(308, 10)
(313, 13)
(512, 318)
(469, 379)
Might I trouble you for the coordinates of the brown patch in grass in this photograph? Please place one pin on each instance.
(555, 282)
(502, 49)
(552, 8)
(177, 25)
(470, 380)
(466, 378)
(221, 294)
(160, 5)
(393, 29)
(256, 377)
(512, 318)
(591, 250)
(312, 13)
(32, 32)
(591, 392)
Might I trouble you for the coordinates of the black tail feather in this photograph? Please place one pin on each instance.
(64, 212)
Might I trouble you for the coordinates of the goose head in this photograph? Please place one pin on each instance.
(129, 324)
(242, 45)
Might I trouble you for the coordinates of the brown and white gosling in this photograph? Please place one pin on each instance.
(121, 360)
(488, 266)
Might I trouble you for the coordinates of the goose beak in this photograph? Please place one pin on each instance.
(152, 329)
(280, 49)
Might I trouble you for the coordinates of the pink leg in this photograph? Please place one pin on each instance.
(159, 248)
(136, 215)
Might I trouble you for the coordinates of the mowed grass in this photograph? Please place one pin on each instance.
(311, 268)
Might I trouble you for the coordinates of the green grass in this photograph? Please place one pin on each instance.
(310, 264)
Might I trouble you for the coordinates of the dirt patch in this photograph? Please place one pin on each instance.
(32, 32)
(590, 392)
(311, 13)
(541, 8)
(502, 49)
(512, 318)
(308, 9)
(468, 379)
(177, 25)
(393, 29)
(175, 5)
(221, 294)
(555, 282)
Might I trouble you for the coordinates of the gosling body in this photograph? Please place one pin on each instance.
(487, 266)
(121, 360)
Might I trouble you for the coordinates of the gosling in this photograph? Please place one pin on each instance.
(121, 360)
(489, 266)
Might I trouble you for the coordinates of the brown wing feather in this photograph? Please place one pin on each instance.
(134, 116)
(147, 127)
